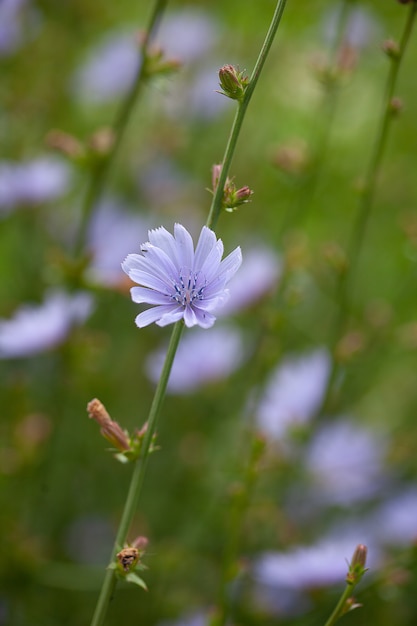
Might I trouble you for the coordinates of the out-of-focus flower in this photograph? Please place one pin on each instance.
(113, 232)
(201, 358)
(259, 274)
(33, 182)
(180, 282)
(395, 520)
(345, 463)
(110, 69)
(293, 393)
(15, 16)
(361, 27)
(34, 329)
(318, 565)
(188, 35)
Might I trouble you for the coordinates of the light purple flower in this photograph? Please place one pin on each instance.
(346, 462)
(110, 69)
(34, 329)
(17, 21)
(180, 282)
(293, 393)
(259, 274)
(394, 522)
(223, 350)
(113, 231)
(32, 182)
(188, 34)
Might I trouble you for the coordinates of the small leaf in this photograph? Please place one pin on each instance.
(136, 580)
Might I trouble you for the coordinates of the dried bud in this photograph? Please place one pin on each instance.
(406, 1)
(102, 142)
(357, 565)
(233, 82)
(65, 143)
(109, 429)
(396, 106)
(391, 48)
(128, 558)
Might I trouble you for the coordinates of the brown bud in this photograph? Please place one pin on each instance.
(109, 429)
(64, 143)
(128, 557)
(391, 48)
(102, 141)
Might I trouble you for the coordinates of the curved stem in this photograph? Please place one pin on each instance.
(101, 168)
(137, 479)
(216, 204)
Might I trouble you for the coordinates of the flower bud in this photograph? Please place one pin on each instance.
(391, 48)
(109, 429)
(396, 106)
(233, 82)
(357, 565)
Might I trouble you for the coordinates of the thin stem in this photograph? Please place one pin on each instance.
(323, 123)
(366, 201)
(340, 608)
(137, 479)
(101, 168)
(216, 204)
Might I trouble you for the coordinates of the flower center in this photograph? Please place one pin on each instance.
(189, 287)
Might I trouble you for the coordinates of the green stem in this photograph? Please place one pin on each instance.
(340, 608)
(365, 203)
(101, 168)
(137, 479)
(322, 127)
(216, 204)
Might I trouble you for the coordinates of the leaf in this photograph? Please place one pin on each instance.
(136, 580)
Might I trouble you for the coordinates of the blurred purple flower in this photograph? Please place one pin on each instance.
(293, 394)
(345, 463)
(36, 328)
(188, 35)
(33, 182)
(312, 567)
(361, 27)
(259, 274)
(395, 520)
(181, 283)
(113, 232)
(110, 69)
(15, 15)
(223, 350)
(196, 97)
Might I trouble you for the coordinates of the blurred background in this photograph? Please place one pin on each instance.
(289, 432)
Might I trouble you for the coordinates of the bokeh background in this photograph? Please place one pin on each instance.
(285, 439)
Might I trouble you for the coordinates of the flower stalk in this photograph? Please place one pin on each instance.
(102, 166)
(137, 479)
(216, 206)
(243, 102)
(354, 575)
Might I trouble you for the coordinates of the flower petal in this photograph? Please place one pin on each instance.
(206, 243)
(153, 315)
(230, 265)
(142, 295)
(185, 247)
